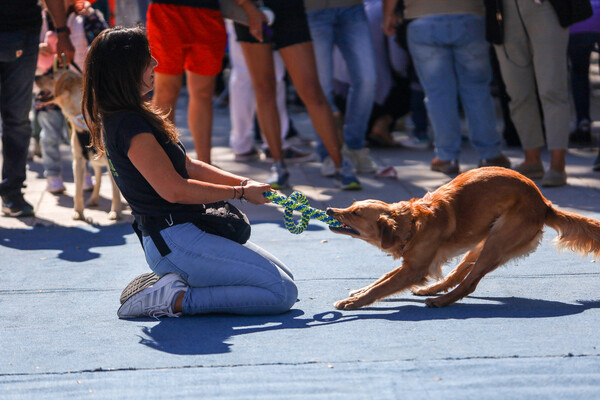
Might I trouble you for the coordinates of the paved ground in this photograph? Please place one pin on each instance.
(529, 331)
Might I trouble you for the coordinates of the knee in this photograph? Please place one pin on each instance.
(289, 296)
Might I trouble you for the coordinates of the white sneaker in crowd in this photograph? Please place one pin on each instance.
(415, 142)
(328, 167)
(361, 159)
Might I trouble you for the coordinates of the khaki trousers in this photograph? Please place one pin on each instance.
(534, 57)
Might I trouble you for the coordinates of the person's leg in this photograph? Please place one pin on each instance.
(352, 36)
(550, 42)
(166, 92)
(52, 123)
(223, 275)
(300, 62)
(473, 70)
(515, 60)
(432, 61)
(16, 85)
(579, 50)
(241, 110)
(259, 59)
(200, 115)
(321, 25)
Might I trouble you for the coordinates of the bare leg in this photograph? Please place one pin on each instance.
(259, 59)
(300, 62)
(200, 113)
(166, 92)
(557, 159)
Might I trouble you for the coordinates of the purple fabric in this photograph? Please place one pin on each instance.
(591, 24)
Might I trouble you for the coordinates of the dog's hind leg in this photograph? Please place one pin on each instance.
(502, 245)
(78, 174)
(455, 277)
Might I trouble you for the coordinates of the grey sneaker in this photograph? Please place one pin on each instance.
(346, 178)
(279, 177)
(154, 301)
(553, 178)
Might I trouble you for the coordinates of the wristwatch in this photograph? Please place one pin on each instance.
(63, 29)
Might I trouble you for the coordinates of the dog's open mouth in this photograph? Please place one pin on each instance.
(345, 229)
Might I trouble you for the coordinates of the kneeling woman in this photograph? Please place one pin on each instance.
(199, 272)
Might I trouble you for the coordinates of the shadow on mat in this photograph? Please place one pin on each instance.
(74, 243)
(500, 307)
(210, 334)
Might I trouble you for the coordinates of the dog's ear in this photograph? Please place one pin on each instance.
(387, 231)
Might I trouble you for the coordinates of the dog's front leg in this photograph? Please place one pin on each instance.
(358, 292)
(116, 206)
(78, 173)
(398, 280)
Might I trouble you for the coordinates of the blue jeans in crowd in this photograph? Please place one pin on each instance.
(348, 29)
(18, 59)
(52, 135)
(451, 57)
(224, 276)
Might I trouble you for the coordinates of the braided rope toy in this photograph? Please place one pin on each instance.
(297, 201)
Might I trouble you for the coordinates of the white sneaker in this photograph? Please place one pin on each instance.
(55, 185)
(155, 301)
(361, 159)
(328, 167)
(88, 183)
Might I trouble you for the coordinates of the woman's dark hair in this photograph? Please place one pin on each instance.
(114, 69)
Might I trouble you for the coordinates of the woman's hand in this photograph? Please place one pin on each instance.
(253, 192)
(255, 20)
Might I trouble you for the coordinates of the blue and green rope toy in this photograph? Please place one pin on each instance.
(298, 202)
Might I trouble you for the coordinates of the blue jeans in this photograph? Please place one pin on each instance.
(348, 29)
(451, 57)
(16, 84)
(53, 130)
(224, 276)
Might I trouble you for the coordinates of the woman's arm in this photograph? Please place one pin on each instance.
(206, 184)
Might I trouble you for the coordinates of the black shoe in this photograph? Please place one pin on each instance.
(14, 205)
(582, 136)
(596, 166)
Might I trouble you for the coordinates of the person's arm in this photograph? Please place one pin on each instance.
(57, 11)
(255, 18)
(152, 162)
(390, 20)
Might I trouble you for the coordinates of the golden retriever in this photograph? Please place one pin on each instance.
(493, 214)
(67, 86)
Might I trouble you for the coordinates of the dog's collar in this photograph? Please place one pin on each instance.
(409, 235)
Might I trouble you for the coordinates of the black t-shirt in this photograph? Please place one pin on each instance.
(120, 128)
(20, 15)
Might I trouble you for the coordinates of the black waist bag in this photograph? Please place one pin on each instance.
(226, 220)
(221, 219)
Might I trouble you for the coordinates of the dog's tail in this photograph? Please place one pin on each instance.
(577, 233)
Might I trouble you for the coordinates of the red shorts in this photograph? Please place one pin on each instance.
(186, 38)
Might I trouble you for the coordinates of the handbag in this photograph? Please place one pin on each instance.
(572, 11)
(225, 220)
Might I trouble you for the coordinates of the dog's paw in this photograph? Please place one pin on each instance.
(356, 292)
(350, 303)
(114, 216)
(422, 291)
(77, 215)
(434, 303)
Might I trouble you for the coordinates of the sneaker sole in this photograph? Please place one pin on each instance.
(17, 214)
(137, 285)
(352, 186)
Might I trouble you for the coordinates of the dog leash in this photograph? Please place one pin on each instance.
(298, 202)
